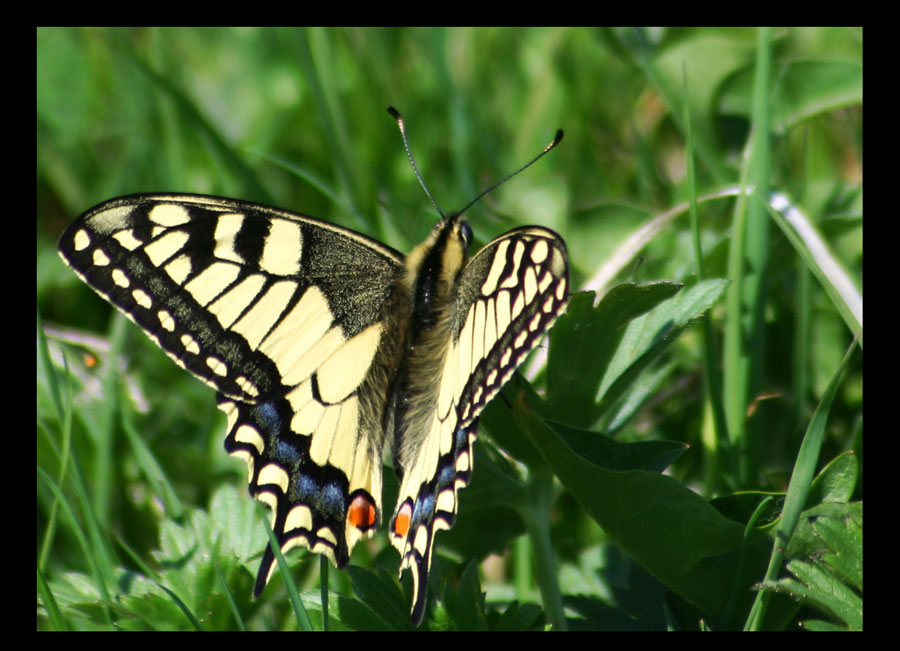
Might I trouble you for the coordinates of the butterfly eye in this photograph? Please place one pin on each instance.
(465, 234)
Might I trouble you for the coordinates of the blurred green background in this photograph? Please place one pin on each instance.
(207, 110)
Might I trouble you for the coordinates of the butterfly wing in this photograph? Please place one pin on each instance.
(284, 316)
(507, 296)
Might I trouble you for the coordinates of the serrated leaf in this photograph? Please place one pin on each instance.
(843, 537)
(830, 580)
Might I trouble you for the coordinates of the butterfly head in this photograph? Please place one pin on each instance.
(432, 267)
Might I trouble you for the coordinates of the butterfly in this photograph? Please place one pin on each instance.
(326, 348)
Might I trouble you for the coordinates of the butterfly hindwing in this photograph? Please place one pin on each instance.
(323, 500)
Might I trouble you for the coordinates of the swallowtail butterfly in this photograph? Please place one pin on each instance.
(325, 346)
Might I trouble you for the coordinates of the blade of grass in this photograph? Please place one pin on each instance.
(293, 595)
(748, 259)
(536, 515)
(102, 569)
(715, 428)
(632, 246)
(64, 416)
(97, 552)
(804, 237)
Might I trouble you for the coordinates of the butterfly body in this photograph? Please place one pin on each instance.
(326, 348)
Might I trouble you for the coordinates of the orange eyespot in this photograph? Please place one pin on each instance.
(401, 522)
(361, 513)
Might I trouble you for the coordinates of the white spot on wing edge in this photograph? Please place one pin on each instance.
(218, 366)
(561, 289)
(142, 298)
(420, 544)
(251, 436)
(166, 321)
(271, 500)
(99, 258)
(81, 240)
(246, 456)
(325, 533)
(120, 278)
(190, 344)
(446, 500)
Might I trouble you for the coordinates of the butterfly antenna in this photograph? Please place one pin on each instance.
(399, 118)
(556, 140)
(396, 115)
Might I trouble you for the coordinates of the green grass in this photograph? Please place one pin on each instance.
(143, 520)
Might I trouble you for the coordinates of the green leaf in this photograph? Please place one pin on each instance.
(464, 603)
(574, 378)
(670, 530)
(388, 608)
(830, 580)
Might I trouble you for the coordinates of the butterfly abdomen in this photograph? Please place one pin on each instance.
(431, 271)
